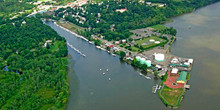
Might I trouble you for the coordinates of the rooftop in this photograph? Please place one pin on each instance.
(182, 76)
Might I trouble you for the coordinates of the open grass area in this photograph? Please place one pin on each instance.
(171, 97)
(158, 27)
(134, 49)
(149, 44)
(55, 46)
(45, 93)
(188, 76)
(71, 27)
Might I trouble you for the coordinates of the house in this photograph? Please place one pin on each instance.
(109, 45)
(182, 77)
(174, 71)
(116, 49)
(102, 36)
(148, 3)
(117, 42)
(121, 10)
(123, 41)
(161, 5)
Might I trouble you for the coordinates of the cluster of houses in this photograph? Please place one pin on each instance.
(120, 41)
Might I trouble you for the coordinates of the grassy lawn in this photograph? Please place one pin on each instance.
(46, 93)
(134, 49)
(71, 26)
(140, 42)
(171, 95)
(55, 46)
(188, 76)
(158, 27)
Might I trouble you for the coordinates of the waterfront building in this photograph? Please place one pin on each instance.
(174, 60)
(179, 65)
(174, 71)
(182, 77)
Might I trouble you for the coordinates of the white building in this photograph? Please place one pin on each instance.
(174, 71)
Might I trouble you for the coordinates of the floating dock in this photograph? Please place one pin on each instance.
(155, 88)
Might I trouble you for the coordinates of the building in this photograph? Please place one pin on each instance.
(102, 36)
(109, 45)
(174, 60)
(161, 5)
(182, 77)
(174, 71)
(123, 41)
(148, 3)
(190, 61)
(159, 57)
(121, 10)
(179, 65)
(117, 42)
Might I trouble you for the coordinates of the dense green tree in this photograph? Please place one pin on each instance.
(122, 54)
(37, 76)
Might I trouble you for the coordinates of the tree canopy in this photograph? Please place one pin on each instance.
(37, 75)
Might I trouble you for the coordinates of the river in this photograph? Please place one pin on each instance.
(198, 36)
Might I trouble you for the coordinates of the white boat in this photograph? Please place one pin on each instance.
(100, 69)
(147, 77)
(98, 47)
(103, 73)
(102, 49)
(140, 74)
(109, 79)
(114, 55)
(106, 69)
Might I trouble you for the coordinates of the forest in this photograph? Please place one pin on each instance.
(33, 66)
(102, 18)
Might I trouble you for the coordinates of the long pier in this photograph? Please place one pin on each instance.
(75, 49)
